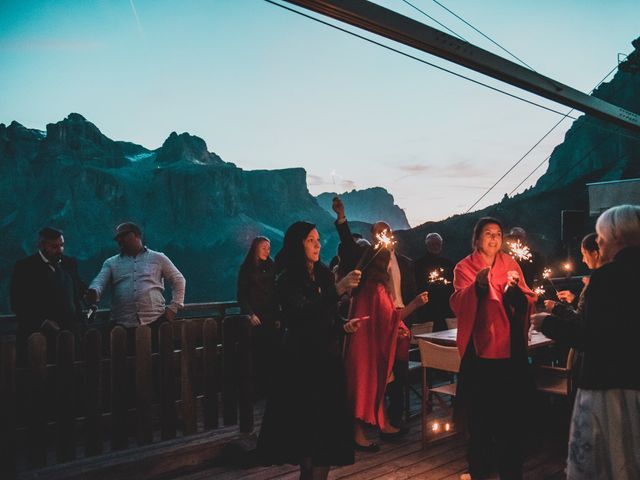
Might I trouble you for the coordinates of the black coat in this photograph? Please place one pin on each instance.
(438, 308)
(39, 294)
(608, 330)
(257, 290)
(307, 412)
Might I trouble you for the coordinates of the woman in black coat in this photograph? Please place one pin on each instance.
(257, 299)
(307, 420)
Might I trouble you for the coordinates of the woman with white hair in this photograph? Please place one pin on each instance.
(604, 442)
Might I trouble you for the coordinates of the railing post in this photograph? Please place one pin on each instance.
(168, 417)
(66, 399)
(8, 409)
(119, 384)
(188, 397)
(93, 393)
(144, 377)
(210, 380)
(238, 381)
(37, 398)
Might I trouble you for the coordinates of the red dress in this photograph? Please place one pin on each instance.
(371, 351)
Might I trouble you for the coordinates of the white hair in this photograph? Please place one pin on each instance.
(431, 235)
(620, 224)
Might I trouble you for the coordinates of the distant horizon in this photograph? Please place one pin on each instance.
(268, 89)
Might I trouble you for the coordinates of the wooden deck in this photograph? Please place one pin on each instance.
(405, 458)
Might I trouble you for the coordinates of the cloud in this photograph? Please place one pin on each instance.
(415, 168)
(335, 181)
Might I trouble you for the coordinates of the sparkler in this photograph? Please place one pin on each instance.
(539, 291)
(385, 240)
(520, 251)
(436, 276)
(546, 275)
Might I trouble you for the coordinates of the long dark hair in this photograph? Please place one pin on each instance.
(480, 224)
(251, 260)
(292, 257)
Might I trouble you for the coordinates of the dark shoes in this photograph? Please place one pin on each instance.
(394, 435)
(371, 448)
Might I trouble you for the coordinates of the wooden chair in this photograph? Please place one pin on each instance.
(556, 380)
(436, 357)
(414, 366)
(452, 322)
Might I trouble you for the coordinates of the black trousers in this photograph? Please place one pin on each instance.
(498, 405)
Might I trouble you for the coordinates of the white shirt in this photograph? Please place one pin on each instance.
(396, 281)
(137, 286)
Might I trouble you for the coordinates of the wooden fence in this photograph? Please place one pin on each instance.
(115, 390)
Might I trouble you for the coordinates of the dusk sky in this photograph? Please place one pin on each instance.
(266, 88)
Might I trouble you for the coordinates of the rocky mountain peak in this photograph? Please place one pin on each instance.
(186, 148)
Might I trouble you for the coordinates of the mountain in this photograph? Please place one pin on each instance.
(369, 206)
(201, 211)
(592, 151)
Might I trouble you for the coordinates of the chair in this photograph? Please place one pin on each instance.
(436, 357)
(556, 380)
(414, 366)
(451, 322)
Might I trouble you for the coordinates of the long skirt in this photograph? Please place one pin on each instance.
(604, 441)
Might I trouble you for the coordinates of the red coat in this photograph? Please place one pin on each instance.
(370, 352)
(486, 321)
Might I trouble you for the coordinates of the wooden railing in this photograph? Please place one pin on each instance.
(112, 390)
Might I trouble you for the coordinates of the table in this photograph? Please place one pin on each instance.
(448, 338)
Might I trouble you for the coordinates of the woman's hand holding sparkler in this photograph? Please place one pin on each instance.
(350, 281)
(420, 300)
(482, 277)
(513, 278)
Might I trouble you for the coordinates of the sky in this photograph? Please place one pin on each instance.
(268, 89)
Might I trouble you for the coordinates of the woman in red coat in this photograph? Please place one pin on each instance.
(493, 305)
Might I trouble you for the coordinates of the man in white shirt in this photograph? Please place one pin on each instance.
(136, 279)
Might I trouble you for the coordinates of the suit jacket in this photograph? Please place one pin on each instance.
(38, 294)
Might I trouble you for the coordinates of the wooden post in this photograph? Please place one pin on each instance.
(7, 409)
(37, 398)
(93, 394)
(210, 361)
(244, 373)
(66, 399)
(229, 386)
(188, 398)
(168, 418)
(143, 385)
(144, 377)
(119, 382)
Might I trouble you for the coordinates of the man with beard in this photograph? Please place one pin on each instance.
(46, 290)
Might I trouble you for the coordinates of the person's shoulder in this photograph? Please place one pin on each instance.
(28, 261)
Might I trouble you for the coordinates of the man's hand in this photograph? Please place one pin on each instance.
(338, 207)
(549, 305)
(350, 281)
(566, 296)
(482, 277)
(169, 314)
(537, 320)
(255, 320)
(421, 299)
(91, 296)
(352, 325)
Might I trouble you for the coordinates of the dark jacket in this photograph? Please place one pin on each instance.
(257, 289)
(39, 294)
(607, 332)
(437, 309)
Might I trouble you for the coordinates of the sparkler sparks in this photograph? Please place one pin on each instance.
(436, 276)
(546, 274)
(385, 239)
(540, 291)
(520, 251)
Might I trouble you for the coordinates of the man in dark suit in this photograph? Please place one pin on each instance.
(46, 290)
(434, 273)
